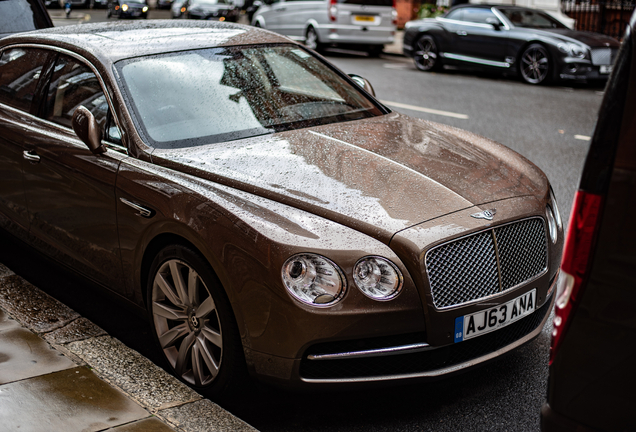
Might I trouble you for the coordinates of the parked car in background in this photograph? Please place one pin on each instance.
(359, 24)
(269, 214)
(23, 15)
(177, 8)
(524, 41)
(127, 9)
(221, 10)
(164, 4)
(592, 376)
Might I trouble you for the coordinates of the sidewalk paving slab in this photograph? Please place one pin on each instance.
(61, 372)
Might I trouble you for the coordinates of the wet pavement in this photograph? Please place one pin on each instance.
(61, 372)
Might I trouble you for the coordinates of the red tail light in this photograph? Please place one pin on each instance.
(333, 10)
(575, 261)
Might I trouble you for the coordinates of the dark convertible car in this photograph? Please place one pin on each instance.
(267, 212)
(526, 41)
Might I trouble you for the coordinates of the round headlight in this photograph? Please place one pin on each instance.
(313, 279)
(144, 9)
(552, 226)
(377, 278)
(124, 7)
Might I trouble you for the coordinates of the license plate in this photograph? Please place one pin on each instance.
(364, 18)
(487, 320)
(606, 69)
(136, 13)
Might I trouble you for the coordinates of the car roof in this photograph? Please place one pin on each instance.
(113, 41)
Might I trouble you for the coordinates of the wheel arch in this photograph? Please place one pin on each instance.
(182, 237)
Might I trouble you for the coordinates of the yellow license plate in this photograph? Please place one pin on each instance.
(364, 18)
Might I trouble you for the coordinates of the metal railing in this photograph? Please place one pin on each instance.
(609, 17)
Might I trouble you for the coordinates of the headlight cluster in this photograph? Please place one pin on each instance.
(573, 50)
(317, 281)
(124, 7)
(144, 9)
(554, 217)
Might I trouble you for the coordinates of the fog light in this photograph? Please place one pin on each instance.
(377, 278)
(313, 279)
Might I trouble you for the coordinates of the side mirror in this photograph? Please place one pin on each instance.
(494, 22)
(87, 129)
(363, 82)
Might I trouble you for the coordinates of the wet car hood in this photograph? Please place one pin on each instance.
(591, 39)
(379, 175)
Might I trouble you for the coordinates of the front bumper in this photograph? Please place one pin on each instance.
(398, 359)
(583, 72)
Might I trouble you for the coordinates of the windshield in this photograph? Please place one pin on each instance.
(212, 95)
(531, 19)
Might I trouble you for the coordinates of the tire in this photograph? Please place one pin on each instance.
(426, 54)
(375, 50)
(311, 40)
(193, 323)
(535, 65)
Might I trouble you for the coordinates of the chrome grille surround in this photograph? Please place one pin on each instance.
(487, 263)
(603, 56)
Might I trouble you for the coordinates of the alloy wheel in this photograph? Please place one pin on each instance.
(535, 64)
(187, 322)
(311, 40)
(425, 56)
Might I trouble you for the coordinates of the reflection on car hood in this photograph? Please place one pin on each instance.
(589, 38)
(378, 175)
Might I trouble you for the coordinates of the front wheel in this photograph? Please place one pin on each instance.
(193, 322)
(311, 39)
(534, 64)
(426, 54)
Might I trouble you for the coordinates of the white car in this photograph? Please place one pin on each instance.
(359, 24)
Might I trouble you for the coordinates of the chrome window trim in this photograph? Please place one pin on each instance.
(97, 74)
(501, 17)
(500, 293)
(379, 352)
(468, 23)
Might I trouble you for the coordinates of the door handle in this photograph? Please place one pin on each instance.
(462, 33)
(31, 156)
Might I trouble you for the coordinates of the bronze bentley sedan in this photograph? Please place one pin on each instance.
(270, 215)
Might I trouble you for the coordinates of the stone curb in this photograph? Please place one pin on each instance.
(77, 338)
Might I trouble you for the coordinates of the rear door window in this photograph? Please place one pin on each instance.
(22, 15)
(20, 70)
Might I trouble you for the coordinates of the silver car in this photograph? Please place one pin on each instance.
(358, 24)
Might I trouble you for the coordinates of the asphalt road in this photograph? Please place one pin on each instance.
(548, 125)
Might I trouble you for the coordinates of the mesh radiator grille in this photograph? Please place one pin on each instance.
(487, 263)
(603, 56)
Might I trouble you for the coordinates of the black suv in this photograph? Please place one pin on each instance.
(593, 354)
(22, 15)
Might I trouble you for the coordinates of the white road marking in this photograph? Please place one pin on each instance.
(582, 137)
(395, 66)
(426, 110)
